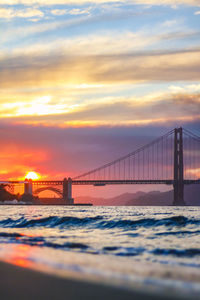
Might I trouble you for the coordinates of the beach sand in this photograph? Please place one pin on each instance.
(27, 284)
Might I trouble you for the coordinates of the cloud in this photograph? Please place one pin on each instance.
(197, 12)
(61, 69)
(77, 11)
(36, 107)
(74, 11)
(58, 12)
(164, 108)
(84, 83)
(168, 2)
(9, 13)
(80, 2)
(140, 109)
(191, 88)
(78, 20)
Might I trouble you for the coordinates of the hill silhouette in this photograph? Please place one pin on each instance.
(157, 198)
(5, 195)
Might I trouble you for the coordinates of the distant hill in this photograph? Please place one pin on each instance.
(153, 198)
(192, 197)
(115, 201)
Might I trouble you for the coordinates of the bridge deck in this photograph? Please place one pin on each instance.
(110, 182)
(101, 182)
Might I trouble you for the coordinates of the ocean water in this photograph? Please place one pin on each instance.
(155, 247)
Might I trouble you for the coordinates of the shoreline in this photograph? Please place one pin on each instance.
(25, 283)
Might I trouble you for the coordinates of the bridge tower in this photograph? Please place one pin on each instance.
(28, 187)
(178, 168)
(67, 191)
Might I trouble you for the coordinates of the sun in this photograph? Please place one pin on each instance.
(32, 175)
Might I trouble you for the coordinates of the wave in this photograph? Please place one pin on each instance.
(150, 222)
(52, 221)
(180, 232)
(191, 252)
(97, 222)
(124, 251)
(18, 238)
(39, 241)
(10, 235)
(68, 245)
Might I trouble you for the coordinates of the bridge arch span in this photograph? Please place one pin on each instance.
(48, 188)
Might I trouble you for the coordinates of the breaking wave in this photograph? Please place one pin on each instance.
(49, 222)
(98, 222)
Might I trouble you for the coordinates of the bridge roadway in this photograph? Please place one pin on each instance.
(100, 182)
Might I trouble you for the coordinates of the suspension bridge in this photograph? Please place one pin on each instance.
(172, 159)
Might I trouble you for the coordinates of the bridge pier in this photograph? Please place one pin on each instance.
(28, 187)
(67, 191)
(178, 168)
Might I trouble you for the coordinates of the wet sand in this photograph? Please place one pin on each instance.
(27, 284)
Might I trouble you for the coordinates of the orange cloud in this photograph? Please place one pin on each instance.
(112, 111)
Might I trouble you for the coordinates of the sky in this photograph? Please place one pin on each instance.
(84, 82)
